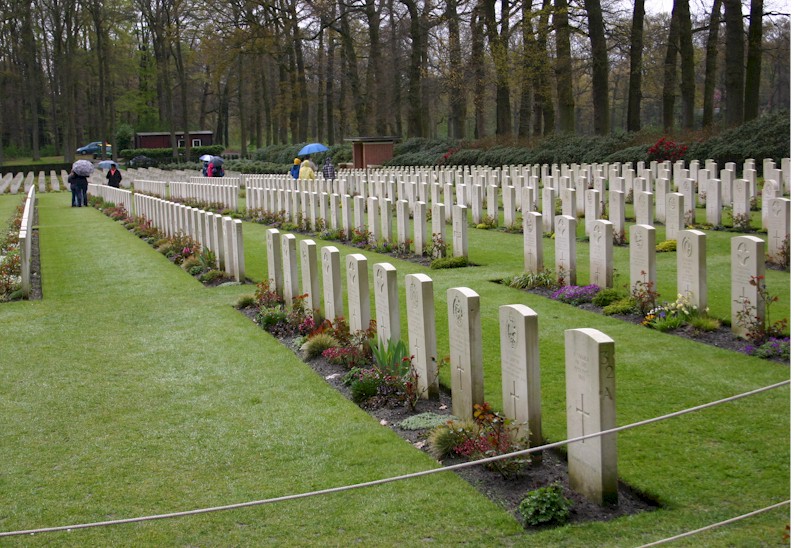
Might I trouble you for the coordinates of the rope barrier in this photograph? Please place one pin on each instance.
(373, 483)
(715, 525)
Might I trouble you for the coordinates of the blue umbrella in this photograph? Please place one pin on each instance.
(312, 148)
(106, 164)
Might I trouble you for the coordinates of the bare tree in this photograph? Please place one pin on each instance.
(754, 54)
(564, 67)
(710, 76)
(600, 64)
(734, 63)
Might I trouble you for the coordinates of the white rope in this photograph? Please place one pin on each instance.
(715, 525)
(391, 479)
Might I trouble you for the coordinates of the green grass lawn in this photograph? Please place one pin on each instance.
(130, 389)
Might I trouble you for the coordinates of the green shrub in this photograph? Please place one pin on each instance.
(449, 262)
(364, 385)
(392, 358)
(704, 322)
(211, 276)
(245, 301)
(623, 306)
(607, 296)
(314, 346)
(546, 505)
(190, 262)
(666, 246)
(424, 421)
(269, 316)
(767, 136)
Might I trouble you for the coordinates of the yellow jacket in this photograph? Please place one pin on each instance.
(306, 171)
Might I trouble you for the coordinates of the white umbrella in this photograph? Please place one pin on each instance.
(83, 168)
(206, 158)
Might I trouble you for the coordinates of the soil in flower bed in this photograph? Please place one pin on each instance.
(507, 493)
(722, 337)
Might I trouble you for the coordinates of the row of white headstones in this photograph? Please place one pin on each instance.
(589, 354)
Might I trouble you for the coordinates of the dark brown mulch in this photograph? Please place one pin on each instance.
(507, 493)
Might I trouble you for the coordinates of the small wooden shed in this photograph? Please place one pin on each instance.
(162, 139)
(371, 151)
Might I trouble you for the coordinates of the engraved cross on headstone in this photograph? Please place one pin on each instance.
(583, 414)
(514, 397)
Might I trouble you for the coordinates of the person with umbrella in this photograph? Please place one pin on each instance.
(215, 167)
(205, 163)
(113, 176)
(78, 182)
(306, 171)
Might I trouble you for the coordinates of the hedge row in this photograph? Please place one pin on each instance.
(764, 137)
(163, 155)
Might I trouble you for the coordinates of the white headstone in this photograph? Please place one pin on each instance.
(779, 226)
(533, 242)
(387, 306)
(590, 397)
(274, 269)
(691, 267)
(357, 292)
(332, 283)
(290, 261)
(642, 256)
(565, 248)
(674, 215)
(309, 275)
(422, 332)
(465, 350)
(747, 264)
(601, 254)
(518, 328)
(460, 241)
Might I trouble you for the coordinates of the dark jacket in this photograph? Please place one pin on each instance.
(114, 178)
(78, 180)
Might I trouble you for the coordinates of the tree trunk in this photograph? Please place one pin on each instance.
(563, 67)
(478, 71)
(687, 65)
(598, 45)
(734, 63)
(374, 71)
(330, 75)
(754, 44)
(498, 44)
(634, 120)
(527, 70)
(710, 77)
(351, 70)
(456, 80)
(668, 88)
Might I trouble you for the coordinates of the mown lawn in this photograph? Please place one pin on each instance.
(130, 390)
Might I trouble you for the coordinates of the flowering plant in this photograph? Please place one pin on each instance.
(576, 294)
(664, 149)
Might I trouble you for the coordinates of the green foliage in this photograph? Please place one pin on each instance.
(623, 306)
(666, 246)
(607, 296)
(124, 136)
(364, 384)
(270, 316)
(767, 136)
(644, 295)
(315, 345)
(391, 358)
(444, 438)
(632, 154)
(545, 279)
(211, 276)
(245, 301)
(546, 505)
(449, 262)
(424, 421)
(164, 155)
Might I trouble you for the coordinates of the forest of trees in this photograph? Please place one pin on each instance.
(281, 71)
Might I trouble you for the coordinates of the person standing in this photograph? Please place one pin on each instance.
(328, 169)
(79, 186)
(296, 168)
(306, 171)
(114, 176)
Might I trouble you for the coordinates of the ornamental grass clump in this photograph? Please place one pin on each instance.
(576, 294)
